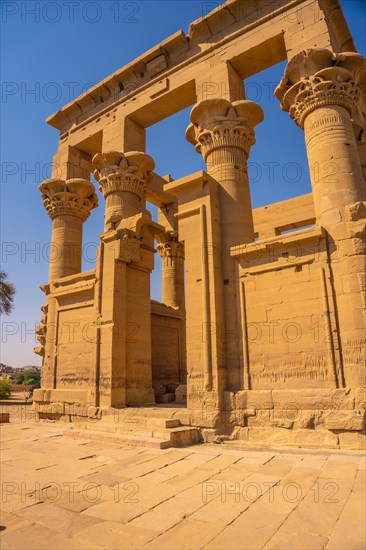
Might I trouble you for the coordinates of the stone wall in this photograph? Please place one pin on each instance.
(168, 345)
(273, 298)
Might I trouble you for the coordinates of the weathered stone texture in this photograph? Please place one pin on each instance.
(261, 326)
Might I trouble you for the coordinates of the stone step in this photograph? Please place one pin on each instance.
(168, 411)
(144, 415)
(132, 419)
(185, 435)
(178, 436)
(108, 427)
(120, 439)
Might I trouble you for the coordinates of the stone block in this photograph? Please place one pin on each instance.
(170, 388)
(360, 398)
(352, 440)
(38, 394)
(254, 399)
(343, 420)
(269, 436)
(314, 438)
(288, 437)
(258, 417)
(159, 389)
(209, 435)
(313, 399)
(165, 398)
(181, 394)
(4, 417)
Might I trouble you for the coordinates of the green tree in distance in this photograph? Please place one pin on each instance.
(28, 377)
(7, 292)
(5, 389)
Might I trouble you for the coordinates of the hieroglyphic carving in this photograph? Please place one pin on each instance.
(354, 352)
(279, 370)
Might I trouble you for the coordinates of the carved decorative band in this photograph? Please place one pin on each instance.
(314, 94)
(127, 183)
(328, 120)
(224, 161)
(225, 138)
(71, 207)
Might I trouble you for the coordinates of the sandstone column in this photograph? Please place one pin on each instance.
(172, 254)
(321, 91)
(68, 204)
(223, 132)
(125, 261)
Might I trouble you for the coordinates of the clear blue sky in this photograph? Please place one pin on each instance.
(53, 51)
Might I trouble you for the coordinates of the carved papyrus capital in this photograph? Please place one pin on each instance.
(318, 77)
(218, 124)
(130, 172)
(74, 197)
(170, 249)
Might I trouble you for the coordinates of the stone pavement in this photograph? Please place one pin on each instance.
(61, 493)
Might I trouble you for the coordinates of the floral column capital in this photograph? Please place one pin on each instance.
(169, 248)
(130, 172)
(318, 77)
(74, 197)
(219, 123)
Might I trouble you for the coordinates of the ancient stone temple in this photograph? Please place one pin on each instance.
(229, 271)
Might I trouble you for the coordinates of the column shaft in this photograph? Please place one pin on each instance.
(322, 91)
(125, 372)
(223, 132)
(68, 204)
(120, 205)
(172, 254)
(173, 283)
(236, 221)
(66, 247)
(335, 168)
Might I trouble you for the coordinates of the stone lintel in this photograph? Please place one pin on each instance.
(302, 235)
(73, 284)
(195, 181)
(156, 192)
(215, 31)
(158, 308)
